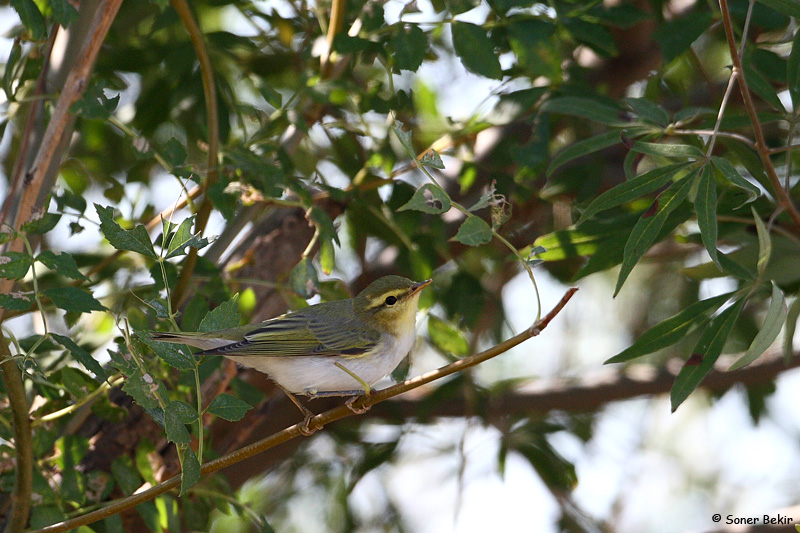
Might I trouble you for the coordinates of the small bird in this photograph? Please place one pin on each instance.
(338, 348)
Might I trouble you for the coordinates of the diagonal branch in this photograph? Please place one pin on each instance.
(343, 411)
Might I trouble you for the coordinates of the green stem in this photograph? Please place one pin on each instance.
(113, 381)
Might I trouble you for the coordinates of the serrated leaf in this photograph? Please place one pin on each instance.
(732, 175)
(773, 322)
(635, 187)
(81, 355)
(224, 316)
(14, 265)
(405, 139)
(171, 354)
(173, 424)
(185, 412)
(73, 299)
(410, 46)
(582, 148)
(432, 159)
(475, 50)
(764, 244)
(142, 388)
(135, 240)
(474, 232)
(671, 330)
(183, 239)
(31, 17)
(190, 469)
(705, 205)
(62, 263)
(705, 354)
(686, 151)
(42, 224)
(436, 201)
(585, 108)
(228, 407)
(447, 338)
(649, 225)
(16, 301)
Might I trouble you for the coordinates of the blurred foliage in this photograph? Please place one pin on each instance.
(606, 138)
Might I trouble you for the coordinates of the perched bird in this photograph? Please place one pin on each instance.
(338, 348)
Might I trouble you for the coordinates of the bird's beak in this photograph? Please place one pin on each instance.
(415, 288)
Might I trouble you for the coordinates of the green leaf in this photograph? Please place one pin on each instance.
(668, 150)
(791, 326)
(410, 46)
(224, 316)
(142, 388)
(73, 299)
(447, 338)
(432, 159)
(789, 8)
(475, 50)
(174, 153)
(31, 18)
(327, 256)
(405, 139)
(63, 12)
(474, 232)
(793, 71)
(16, 301)
(648, 112)
(135, 240)
(436, 201)
(635, 187)
(228, 407)
(94, 104)
(304, 279)
(757, 83)
(649, 225)
(14, 265)
(62, 263)
(183, 238)
(185, 412)
(585, 108)
(764, 244)
(593, 35)
(9, 74)
(773, 322)
(705, 354)
(733, 268)
(41, 225)
(190, 469)
(584, 147)
(705, 205)
(171, 354)
(173, 423)
(323, 222)
(676, 36)
(81, 355)
(736, 179)
(671, 330)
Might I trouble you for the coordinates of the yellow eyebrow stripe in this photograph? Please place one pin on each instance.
(379, 301)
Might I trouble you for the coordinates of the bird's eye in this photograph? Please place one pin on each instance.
(391, 300)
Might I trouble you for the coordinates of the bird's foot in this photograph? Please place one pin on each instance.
(305, 428)
(357, 410)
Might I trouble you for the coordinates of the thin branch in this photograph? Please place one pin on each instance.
(210, 93)
(784, 199)
(23, 440)
(360, 405)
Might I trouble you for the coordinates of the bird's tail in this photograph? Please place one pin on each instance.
(204, 341)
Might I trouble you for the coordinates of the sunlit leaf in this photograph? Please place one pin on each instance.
(474, 232)
(476, 50)
(429, 199)
(773, 322)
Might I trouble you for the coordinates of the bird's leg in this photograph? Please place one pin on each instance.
(305, 429)
(364, 384)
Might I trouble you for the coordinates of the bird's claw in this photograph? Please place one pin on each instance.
(357, 410)
(305, 428)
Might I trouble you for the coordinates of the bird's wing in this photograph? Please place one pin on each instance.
(304, 333)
